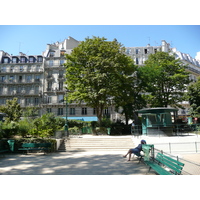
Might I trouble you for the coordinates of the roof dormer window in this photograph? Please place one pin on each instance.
(39, 59)
(51, 54)
(31, 59)
(23, 59)
(15, 60)
(6, 60)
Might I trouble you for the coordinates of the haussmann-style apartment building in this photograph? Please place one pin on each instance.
(38, 80)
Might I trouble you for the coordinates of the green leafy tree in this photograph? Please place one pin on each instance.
(95, 71)
(13, 110)
(30, 112)
(130, 98)
(194, 98)
(46, 125)
(165, 80)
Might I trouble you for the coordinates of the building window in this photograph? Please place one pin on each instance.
(60, 111)
(11, 69)
(31, 59)
(62, 52)
(5, 60)
(94, 111)
(106, 112)
(51, 63)
(3, 69)
(20, 79)
(21, 68)
(28, 78)
(49, 99)
(60, 74)
(60, 86)
(39, 59)
(49, 87)
(28, 89)
(36, 101)
(11, 89)
(38, 68)
(29, 68)
(2, 101)
(60, 98)
(11, 79)
(48, 110)
(146, 51)
(37, 78)
(128, 51)
(23, 60)
(155, 50)
(49, 74)
(137, 61)
(19, 89)
(51, 54)
(3, 78)
(14, 60)
(84, 111)
(72, 111)
(62, 62)
(136, 51)
(37, 89)
(27, 101)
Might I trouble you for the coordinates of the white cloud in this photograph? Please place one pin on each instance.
(197, 57)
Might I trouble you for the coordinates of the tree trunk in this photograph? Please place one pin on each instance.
(99, 113)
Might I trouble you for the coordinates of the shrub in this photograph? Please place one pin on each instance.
(74, 130)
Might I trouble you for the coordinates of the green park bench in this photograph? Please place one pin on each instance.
(147, 149)
(26, 147)
(4, 148)
(164, 165)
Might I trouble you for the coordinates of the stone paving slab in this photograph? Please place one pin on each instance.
(71, 163)
(195, 157)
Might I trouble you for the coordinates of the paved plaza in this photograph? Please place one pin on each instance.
(71, 163)
(85, 162)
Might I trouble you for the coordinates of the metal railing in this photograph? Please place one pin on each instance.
(181, 147)
(175, 129)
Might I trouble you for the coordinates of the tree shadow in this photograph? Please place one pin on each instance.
(71, 163)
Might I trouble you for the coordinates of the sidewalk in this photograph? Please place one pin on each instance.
(71, 163)
(86, 162)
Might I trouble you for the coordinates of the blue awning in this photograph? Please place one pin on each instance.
(86, 119)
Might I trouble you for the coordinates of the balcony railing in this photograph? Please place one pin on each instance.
(20, 81)
(24, 70)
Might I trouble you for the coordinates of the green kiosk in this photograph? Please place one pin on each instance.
(158, 121)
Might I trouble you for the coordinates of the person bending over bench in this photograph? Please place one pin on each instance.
(135, 151)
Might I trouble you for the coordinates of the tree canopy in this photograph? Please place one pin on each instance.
(12, 109)
(97, 72)
(165, 80)
(194, 98)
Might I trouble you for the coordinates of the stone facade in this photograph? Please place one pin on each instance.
(38, 80)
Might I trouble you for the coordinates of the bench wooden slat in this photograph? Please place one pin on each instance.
(162, 161)
(169, 158)
(157, 168)
(4, 150)
(35, 147)
(169, 165)
(170, 162)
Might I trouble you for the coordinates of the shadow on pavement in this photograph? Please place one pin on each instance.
(70, 163)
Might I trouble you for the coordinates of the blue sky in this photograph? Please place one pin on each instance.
(32, 39)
